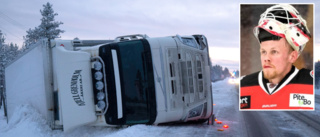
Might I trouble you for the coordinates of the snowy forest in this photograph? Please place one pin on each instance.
(220, 73)
(48, 28)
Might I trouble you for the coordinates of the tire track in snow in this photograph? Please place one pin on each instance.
(313, 122)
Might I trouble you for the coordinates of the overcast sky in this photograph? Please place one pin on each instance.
(218, 20)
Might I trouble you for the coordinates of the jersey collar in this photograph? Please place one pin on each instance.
(263, 82)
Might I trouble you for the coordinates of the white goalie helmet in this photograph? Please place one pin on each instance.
(284, 21)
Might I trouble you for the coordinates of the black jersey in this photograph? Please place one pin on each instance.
(295, 91)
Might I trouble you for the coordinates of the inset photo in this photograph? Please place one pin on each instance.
(276, 65)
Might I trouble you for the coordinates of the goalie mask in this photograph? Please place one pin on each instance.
(283, 21)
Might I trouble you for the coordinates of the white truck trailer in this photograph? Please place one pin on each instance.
(131, 80)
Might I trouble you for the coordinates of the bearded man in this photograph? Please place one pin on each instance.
(282, 34)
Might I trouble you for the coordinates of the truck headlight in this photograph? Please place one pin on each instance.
(101, 104)
(98, 75)
(99, 85)
(97, 65)
(100, 95)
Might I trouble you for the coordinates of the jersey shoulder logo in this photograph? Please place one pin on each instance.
(245, 102)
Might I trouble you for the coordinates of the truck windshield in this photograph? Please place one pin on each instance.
(137, 82)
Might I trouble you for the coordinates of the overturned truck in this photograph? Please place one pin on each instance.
(133, 79)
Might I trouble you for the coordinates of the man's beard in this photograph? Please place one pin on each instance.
(270, 74)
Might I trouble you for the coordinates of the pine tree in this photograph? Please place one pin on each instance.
(1, 39)
(2, 49)
(7, 54)
(49, 28)
(32, 36)
(2, 63)
(226, 72)
(216, 73)
(13, 52)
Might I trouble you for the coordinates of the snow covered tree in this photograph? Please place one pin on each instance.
(2, 63)
(7, 54)
(226, 72)
(32, 36)
(2, 53)
(13, 52)
(1, 39)
(216, 73)
(49, 28)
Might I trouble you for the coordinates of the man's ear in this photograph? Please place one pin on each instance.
(293, 56)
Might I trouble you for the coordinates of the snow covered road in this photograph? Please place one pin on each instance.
(262, 123)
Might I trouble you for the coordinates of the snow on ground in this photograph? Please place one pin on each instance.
(226, 109)
(27, 121)
(316, 112)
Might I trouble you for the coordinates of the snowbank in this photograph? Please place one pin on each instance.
(26, 121)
